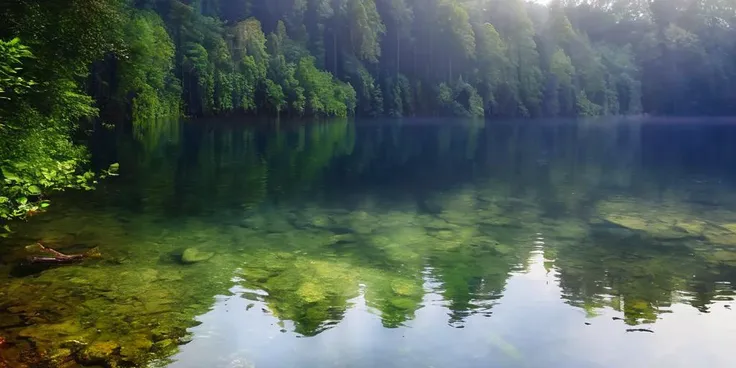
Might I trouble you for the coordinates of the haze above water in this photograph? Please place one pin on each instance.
(416, 243)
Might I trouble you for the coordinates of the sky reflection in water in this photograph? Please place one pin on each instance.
(531, 327)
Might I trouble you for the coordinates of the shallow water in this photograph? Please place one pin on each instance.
(416, 243)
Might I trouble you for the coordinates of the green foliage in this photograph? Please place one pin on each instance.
(457, 34)
(275, 97)
(324, 95)
(585, 107)
(251, 74)
(494, 68)
(44, 103)
(561, 67)
(404, 90)
(512, 21)
(366, 28)
(522, 59)
(11, 54)
(145, 72)
(393, 103)
(559, 93)
(460, 99)
(37, 155)
(369, 94)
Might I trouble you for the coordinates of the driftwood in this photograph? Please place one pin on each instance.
(58, 257)
(3, 362)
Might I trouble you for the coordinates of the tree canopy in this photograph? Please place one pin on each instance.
(148, 58)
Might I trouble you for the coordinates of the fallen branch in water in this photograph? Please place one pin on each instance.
(3, 363)
(639, 330)
(58, 256)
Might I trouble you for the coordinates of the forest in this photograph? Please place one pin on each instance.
(70, 68)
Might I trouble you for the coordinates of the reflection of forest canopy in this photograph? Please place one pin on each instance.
(530, 177)
(196, 167)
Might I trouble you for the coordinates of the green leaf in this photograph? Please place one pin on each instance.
(22, 200)
(3, 199)
(34, 190)
(10, 176)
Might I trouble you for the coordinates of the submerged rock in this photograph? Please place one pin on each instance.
(662, 221)
(692, 227)
(135, 348)
(670, 221)
(722, 235)
(722, 256)
(730, 227)
(165, 345)
(59, 358)
(193, 255)
(654, 228)
(98, 353)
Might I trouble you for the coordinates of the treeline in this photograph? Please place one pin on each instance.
(494, 58)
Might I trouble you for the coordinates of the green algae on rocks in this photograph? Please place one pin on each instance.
(193, 255)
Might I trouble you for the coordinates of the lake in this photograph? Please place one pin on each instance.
(414, 243)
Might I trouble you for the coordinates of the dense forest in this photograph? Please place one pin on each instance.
(70, 67)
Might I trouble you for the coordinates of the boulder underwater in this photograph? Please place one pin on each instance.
(194, 255)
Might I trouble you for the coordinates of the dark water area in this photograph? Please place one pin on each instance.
(414, 243)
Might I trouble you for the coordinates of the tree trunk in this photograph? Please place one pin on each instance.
(431, 54)
(450, 63)
(398, 55)
(334, 52)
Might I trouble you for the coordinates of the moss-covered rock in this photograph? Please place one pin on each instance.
(360, 222)
(692, 227)
(723, 235)
(629, 222)
(136, 348)
(657, 220)
(193, 255)
(667, 221)
(60, 358)
(652, 227)
(722, 256)
(56, 333)
(99, 352)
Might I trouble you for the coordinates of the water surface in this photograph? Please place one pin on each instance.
(416, 243)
